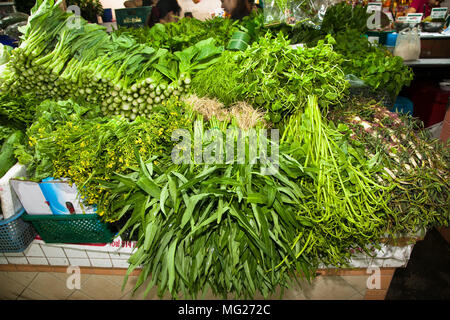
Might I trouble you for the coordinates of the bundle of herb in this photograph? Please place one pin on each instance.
(17, 111)
(272, 75)
(87, 149)
(57, 61)
(376, 66)
(177, 36)
(417, 165)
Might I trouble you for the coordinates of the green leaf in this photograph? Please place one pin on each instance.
(150, 234)
(171, 264)
(163, 198)
(173, 192)
(192, 202)
(149, 186)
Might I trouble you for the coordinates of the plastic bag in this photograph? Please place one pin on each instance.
(308, 11)
(13, 30)
(359, 88)
(354, 81)
(292, 12)
(273, 13)
(407, 45)
(12, 19)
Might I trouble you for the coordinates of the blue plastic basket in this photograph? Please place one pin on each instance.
(15, 234)
(403, 105)
(7, 41)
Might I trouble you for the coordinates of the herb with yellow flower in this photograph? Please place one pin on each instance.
(89, 150)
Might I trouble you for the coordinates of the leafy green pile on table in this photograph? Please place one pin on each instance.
(373, 64)
(272, 75)
(177, 36)
(72, 141)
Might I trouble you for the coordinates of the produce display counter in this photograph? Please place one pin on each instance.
(111, 259)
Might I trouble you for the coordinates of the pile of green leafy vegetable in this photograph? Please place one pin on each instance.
(16, 114)
(373, 64)
(56, 60)
(237, 231)
(177, 36)
(272, 75)
(416, 164)
(71, 141)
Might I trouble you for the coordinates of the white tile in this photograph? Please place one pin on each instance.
(72, 253)
(114, 255)
(53, 252)
(124, 256)
(38, 261)
(3, 260)
(102, 263)
(393, 263)
(377, 262)
(120, 263)
(58, 261)
(34, 250)
(17, 260)
(384, 251)
(360, 263)
(79, 262)
(14, 254)
(98, 255)
(127, 250)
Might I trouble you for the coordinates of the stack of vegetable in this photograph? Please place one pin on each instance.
(177, 36)
(417, 164)
(373, 64)
(71, 141)
(272, 75)
(58, 59)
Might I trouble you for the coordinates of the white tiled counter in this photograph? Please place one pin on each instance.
(111, 255)
(117, 253)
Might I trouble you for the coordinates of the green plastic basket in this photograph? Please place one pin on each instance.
(76, 228)
(132, 17)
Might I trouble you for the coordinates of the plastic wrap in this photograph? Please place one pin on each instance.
(293, 12)
(408, 45)
(12, 19)
(13, 30)
(273, 14)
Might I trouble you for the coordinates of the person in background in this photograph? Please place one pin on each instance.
(163, 11)
(237, 9)
(423, 6)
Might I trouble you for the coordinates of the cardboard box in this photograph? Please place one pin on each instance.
(50, 197)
